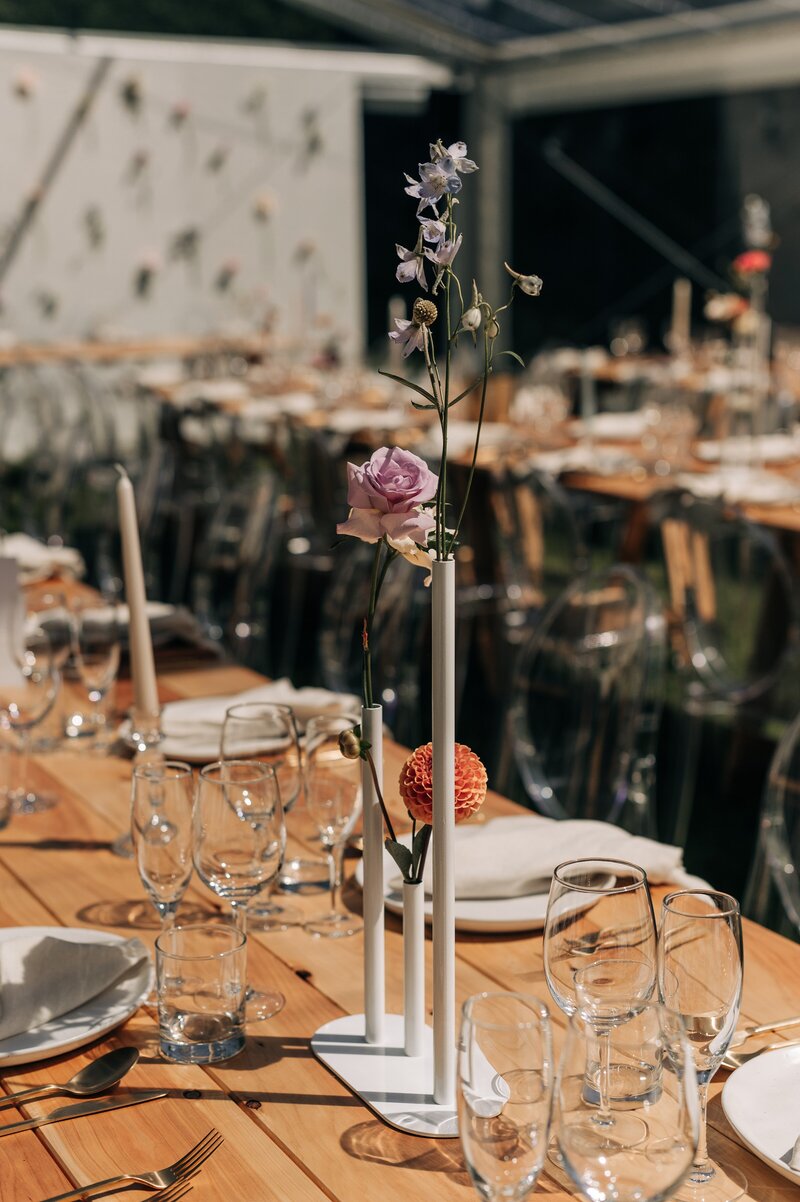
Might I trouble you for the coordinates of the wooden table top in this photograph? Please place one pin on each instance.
(292, 1131)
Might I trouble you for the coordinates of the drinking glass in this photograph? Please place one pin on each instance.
(665, 1107)
(239, 844)
(162, 794)
(600, 935)
(333, 801)
(96, 647)
(268, 732)
(200, 978)
(52, 614)
(25, 701)
(505, 1079)
(700, 979)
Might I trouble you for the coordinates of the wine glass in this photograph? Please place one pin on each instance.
(665, 1106)
(700, 979)
(269, 732)
(25, 700)
(239, 844)
(52, 614)
(333, 801)
(600, 925)
(505, 1079)
(162, 795)
(96, 647)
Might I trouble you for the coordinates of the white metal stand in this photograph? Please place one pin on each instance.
(374, 966)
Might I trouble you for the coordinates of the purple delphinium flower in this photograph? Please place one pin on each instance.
(435, 181)
(433, 230)
(456, 154)
(409, 335)
(411, 266)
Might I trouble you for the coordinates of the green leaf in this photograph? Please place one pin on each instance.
(513, 355)
(407, 384)
(401, 856)
(466, 392)
(417, 405)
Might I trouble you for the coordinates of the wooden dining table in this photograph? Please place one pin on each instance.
(292, 1132)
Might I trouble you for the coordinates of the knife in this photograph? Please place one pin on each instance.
(79, 1109)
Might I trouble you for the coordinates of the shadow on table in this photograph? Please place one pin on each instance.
(139, 914)
(57, 844)
(373, 1141)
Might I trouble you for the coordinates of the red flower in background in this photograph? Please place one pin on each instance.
(416, 783)
(752, 262)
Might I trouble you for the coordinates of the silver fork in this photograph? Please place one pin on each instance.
(176, 1174)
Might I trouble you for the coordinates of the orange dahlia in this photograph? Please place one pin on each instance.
(416, 783)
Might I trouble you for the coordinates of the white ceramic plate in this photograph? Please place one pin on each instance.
(495, 914)
(761, 1101)
(87, 1022)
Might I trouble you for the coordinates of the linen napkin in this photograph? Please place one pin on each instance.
(37, 561)
(601, 461)
(768, 448)
(617, 427)
(42, 977)
(515, 856)
(193, 728)
(741, 485)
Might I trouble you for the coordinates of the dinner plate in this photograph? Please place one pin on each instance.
(489, 914)
(762, 1103)
(87, 1022)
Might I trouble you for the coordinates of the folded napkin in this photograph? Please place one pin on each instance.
(515, 856)
(600, 461)
(193, 728)
(741, 486)
(43, 977)
(37, 561)
(770, 448)
(622, 427)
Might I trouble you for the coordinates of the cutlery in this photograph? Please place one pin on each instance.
(79, 1109)
(171, 1194)
(744, 1033)
(173, 1176)
(737, 1059)
(97, 1077)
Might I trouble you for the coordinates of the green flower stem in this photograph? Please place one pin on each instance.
(487, 367)
(379, 794)
(374, 589)
(419, 868)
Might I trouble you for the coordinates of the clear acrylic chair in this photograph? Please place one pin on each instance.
(773, 891)
(586, 703)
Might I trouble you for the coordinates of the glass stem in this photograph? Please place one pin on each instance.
(22, 765)
(337, 856)
(604, 1117)
(702, 1165)
(239, 911)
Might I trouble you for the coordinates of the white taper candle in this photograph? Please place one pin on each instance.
(143, 671)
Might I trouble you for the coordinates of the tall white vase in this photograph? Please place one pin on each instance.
(444, 951)
(374, 966)
(414, 968)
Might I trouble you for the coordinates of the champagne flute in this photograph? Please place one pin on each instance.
(505, 1079)
(162, 795)
(52, 614)
(96, 645)
(600, 924)
(239, 844)
(268, 732)
(665, 1107)
(700, 974)
(26, 701)
(333, 801)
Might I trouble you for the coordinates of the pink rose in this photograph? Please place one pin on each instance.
(385, 495)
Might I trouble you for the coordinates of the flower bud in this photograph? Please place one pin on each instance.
(424, 312)
(471, 319)
(531, 285)
(492, 327)
(350, 745)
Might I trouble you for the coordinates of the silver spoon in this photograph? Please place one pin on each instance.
(98, 1076)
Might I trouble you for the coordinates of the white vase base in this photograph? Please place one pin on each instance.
(396, 1087)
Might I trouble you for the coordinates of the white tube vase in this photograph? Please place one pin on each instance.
(414, 967)
(373, 835)
(444, 949)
